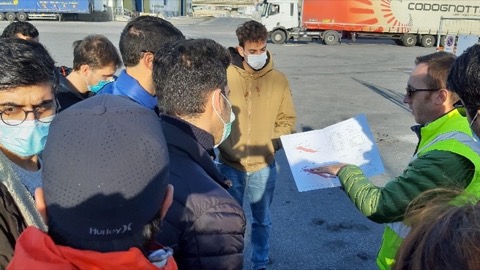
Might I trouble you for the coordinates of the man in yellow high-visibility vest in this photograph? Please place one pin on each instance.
(446, 155)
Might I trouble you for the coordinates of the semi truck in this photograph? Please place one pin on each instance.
(407, 22)
(42, 9)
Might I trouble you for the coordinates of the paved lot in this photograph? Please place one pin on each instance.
(316, 229)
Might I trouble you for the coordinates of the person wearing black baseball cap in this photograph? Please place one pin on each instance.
(105, 191)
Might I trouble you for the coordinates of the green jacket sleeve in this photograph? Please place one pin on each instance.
(388, 204)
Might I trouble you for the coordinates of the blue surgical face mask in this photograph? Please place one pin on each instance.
(227, 127)
(97, 87)
(25, 140)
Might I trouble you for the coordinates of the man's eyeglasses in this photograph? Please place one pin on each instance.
(14, 116)
(410, 90)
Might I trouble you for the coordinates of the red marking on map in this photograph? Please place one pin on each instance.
(308, 150)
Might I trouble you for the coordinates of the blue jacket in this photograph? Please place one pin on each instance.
(126, 85)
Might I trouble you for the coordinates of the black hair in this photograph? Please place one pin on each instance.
(145, 34)
(25, 28)
(186, 71)
(464, 78)
(25, 63)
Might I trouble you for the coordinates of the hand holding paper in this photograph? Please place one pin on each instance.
(327, 171)
(316, 156)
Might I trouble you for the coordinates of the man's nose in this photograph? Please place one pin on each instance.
(30, 115)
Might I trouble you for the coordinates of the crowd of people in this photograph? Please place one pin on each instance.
(106, 172)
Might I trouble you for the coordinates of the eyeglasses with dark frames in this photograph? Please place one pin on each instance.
(410, 90)
(14, 116)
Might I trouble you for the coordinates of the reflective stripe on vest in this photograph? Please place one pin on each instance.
(399, 227)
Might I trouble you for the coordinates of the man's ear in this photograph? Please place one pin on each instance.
(40, 204)
(218, 100)
(241, 51)
(443, 95)
(147, 60)
(167, 201)
(84, 70)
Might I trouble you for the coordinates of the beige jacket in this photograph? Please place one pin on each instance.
(263, 106)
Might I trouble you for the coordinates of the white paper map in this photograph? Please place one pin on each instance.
(349, 141)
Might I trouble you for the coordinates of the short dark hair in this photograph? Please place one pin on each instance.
(464, 78)
(439, 64)
(24, 28)
(145, 34)
(252, 31)
(95, 51)
(186, 71)
(25, 63)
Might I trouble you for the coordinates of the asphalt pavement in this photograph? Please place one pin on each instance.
(318, 229)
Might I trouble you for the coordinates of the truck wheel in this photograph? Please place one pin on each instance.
(2, 16)
(409, 40)
(428, 41)
(22, 16)
(10, 16)
(278, 36)
(331, 37)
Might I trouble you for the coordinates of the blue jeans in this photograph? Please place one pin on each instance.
(259, 186)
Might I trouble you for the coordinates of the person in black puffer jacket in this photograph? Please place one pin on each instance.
(205, 226)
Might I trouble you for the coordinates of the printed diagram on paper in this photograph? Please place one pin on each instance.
(349, 141)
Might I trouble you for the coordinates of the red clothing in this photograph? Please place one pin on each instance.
(36, 250)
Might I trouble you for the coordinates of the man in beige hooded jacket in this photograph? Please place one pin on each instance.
(263, 106)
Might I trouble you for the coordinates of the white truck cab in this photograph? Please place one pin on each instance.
(279, 17)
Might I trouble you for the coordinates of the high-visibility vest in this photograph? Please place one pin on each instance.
(458, 142)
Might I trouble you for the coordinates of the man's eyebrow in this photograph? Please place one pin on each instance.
(13, 104)
(10, 104)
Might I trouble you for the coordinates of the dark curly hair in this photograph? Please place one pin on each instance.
(252, 31)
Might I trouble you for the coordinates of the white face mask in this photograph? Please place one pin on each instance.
(227, 127)
(256, 61)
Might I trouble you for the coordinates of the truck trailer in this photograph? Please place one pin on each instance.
(42, 9)
(407, 22)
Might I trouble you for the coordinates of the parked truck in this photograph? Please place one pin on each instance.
(407, 22)
(42, 9)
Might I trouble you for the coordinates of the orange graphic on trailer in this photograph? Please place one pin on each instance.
(357, 15)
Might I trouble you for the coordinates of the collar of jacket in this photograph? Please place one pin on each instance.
(126, 85)
(186, 141)
(23, 199)
(451, 121)
(65, 86)
(237, 62)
